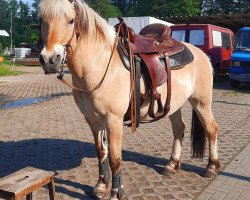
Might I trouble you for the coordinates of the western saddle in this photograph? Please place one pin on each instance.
(152, 45)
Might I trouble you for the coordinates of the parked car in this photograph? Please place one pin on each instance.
(217, 42)
(240, 70)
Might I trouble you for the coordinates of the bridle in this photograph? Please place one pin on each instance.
(64, 61)
(68, 46)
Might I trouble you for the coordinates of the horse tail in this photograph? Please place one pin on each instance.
(198, 137)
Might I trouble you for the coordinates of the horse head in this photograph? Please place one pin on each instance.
(57, 30)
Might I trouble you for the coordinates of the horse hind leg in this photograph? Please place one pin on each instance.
(178, 127)
(204, 126)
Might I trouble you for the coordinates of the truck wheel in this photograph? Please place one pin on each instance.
(235, 84)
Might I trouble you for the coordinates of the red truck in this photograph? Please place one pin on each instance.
(215, 41)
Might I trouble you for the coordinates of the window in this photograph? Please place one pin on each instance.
(225, 40)
(234, 41)
(179, 35)
(244, 40)
(197, 37)
(217, 40)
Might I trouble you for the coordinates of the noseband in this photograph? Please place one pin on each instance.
(66, 50)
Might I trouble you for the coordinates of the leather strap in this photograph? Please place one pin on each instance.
(169, 87)
(61, 73)
(138, 89)
(133, 82)
(160, 114)
(152, 63)
(127, 37)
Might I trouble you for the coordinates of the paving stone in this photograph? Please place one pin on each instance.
(237, 178)
(41, 126)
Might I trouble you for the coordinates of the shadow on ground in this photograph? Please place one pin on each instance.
(224, 83)
(58, 154)
(31, 101)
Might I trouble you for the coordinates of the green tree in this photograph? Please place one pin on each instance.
(34, 11)
(214, 7)
(241, 6)
(141, 8)
(1, 48)
(167, 8)
(4, 22)
(210, 7)
(22, 33)
(104, 8)
(125, 6)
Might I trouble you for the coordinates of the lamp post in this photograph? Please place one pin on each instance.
(11, 29)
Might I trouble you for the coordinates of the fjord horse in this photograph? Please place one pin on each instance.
(70, 26)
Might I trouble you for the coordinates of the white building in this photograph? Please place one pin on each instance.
(138, 23)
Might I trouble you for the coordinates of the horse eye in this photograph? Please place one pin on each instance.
(71, 21)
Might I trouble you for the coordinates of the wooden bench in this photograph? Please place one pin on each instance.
(23, 182)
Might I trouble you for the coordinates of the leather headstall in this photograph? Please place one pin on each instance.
(63, 62)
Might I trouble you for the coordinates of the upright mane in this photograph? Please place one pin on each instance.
(90, 24)
(51, 9)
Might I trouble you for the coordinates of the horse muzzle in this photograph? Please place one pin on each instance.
(50, 64)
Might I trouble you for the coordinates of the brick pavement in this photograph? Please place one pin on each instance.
(41, 126)
(233, 182)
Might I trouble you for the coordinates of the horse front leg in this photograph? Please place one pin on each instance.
(101, 144)
(114, 127)
(101, 187)
(178, 127)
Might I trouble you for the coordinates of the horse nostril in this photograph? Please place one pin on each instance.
(57, 59)
(47, 72)
(51, 61)
(41, 60)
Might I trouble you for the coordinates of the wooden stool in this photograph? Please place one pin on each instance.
(23, 182)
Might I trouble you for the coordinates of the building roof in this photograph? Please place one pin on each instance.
(4, 33)
(233, 22)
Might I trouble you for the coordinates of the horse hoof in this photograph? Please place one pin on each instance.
(113, 198)
(100, 190)
(210, 173)
(169, 170)
(116, 194)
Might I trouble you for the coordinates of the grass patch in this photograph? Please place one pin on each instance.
(6, 69)
(6, 63)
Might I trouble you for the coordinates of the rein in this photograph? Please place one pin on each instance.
(63, 62)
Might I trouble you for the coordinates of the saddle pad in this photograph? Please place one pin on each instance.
(180, 59)
(177, 61)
